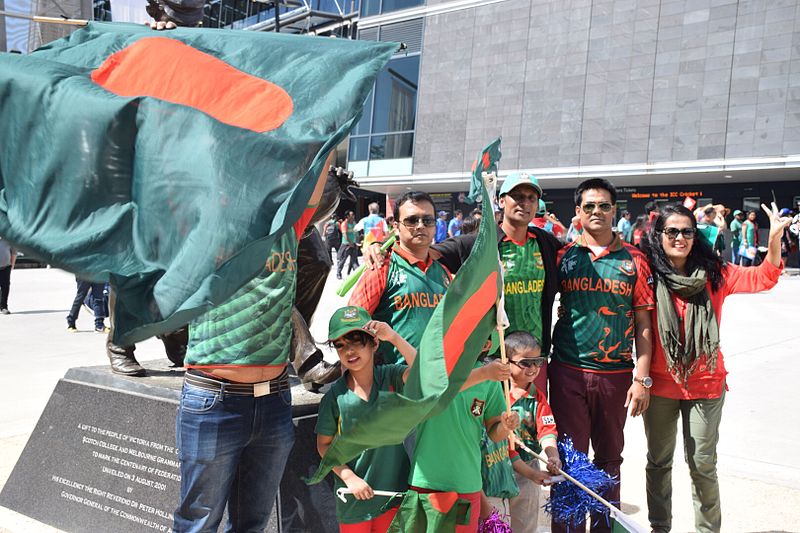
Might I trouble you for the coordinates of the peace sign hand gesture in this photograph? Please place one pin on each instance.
(777, 223)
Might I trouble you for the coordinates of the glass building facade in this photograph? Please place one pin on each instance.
(378, 7)
(386, 129)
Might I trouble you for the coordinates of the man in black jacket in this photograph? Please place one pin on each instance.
(528, 255)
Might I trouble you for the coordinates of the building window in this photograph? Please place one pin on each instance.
(386, 128)
(751, 203)
(359, 149)
(393, 146)
(376, 7)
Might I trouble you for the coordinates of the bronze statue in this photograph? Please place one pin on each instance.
(313, 266)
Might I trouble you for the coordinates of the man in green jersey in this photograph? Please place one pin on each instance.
(405, 289)
(606, 296)
(349, 248)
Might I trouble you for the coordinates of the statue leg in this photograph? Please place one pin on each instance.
(121, 357)
(175, 343)
(306, 357)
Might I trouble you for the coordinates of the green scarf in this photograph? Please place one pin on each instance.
(700, 328)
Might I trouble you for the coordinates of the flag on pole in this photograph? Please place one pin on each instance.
(450, 345)
(169, 163)
(622, 523)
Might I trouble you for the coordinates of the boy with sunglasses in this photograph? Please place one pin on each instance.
(537, 430)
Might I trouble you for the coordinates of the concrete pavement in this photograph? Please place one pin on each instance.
(759, 464)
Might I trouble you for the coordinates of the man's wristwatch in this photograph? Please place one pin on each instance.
(645, 382)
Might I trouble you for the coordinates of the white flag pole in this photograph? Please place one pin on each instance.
(46, 20)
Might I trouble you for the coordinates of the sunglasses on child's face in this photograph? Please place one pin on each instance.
(589, 207)
(672, 233)
(529, 363)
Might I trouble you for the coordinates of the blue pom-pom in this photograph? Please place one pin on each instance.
(569, 504)
(494, 524)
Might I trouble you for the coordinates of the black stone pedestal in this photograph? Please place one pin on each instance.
(103, 458)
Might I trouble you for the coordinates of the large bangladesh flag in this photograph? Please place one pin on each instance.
(450, 345)
(169, 162)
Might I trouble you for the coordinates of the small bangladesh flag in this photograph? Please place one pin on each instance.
(168, 163)
(450, 345)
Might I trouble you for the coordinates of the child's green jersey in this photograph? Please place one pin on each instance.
(447, 456)
(496, 469)
(384, 468)
(537, 424)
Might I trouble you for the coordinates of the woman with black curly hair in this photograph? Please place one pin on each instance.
(687, 368)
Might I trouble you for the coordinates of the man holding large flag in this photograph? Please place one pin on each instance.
(234, 428)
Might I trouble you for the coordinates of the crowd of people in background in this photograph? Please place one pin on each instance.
(736, 235)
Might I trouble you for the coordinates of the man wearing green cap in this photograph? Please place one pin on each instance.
(736, 235)
(528, 255)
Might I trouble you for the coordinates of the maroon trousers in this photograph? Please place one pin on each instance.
(590, 406)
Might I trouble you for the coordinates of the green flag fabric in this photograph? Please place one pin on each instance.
(622, 523)
(168, 163)
(430, 513)
(461, 323)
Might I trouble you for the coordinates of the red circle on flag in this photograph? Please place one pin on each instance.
(172, 71)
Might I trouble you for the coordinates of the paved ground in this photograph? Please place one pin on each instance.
(759, 463)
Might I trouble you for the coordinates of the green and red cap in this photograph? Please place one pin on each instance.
(347, 319)
(520, 178)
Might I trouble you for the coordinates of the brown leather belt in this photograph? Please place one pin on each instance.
(265, 388)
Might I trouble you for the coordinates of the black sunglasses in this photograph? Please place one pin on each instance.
(589, 207)
(528, 363)
(672, 233)
(413, 221)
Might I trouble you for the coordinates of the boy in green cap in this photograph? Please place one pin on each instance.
(355, 336)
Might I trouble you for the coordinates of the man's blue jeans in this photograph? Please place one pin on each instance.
(233, 450)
